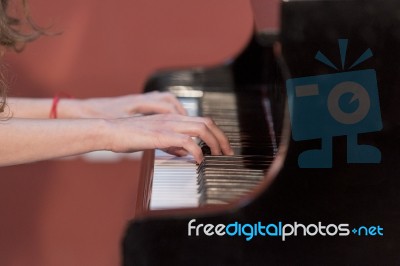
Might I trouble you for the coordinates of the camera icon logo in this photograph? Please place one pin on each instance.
(339, 104)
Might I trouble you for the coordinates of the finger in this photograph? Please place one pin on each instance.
(220, 136)
(205, 128)
(176, 151)
(195, 129)
(180, 141)
(191, 146)
(169, 97)
(158, 108)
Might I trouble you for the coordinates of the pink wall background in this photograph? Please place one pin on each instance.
(74, 212)
(110, 47)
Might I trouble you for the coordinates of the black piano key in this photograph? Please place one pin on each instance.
(222, 179)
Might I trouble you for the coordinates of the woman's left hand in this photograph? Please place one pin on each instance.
(128, 105)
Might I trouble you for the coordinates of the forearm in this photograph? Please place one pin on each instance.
(41, 107)
(25, 140)
(107, 107)
(29, 140)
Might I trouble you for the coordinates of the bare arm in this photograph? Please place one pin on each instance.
(29, 140)
(28, 108)
(108, 107)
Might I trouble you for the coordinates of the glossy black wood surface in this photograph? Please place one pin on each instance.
(355, 194)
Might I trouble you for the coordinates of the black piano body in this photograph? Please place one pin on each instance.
(360, 196)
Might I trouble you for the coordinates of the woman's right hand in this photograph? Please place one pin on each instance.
(29, 140)
(171, 132)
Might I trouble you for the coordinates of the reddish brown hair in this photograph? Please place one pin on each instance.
(12, 37)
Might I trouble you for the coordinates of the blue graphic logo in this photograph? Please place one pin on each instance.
(339, 104)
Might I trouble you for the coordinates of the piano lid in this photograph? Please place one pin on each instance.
(356, 194)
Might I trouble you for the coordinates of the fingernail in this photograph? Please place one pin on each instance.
(200, 160)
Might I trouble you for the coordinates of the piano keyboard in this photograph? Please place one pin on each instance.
(174, 178)
(179, 183)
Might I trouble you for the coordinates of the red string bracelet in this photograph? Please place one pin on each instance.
(56, 99)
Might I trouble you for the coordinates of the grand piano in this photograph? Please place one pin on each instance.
(313, 115)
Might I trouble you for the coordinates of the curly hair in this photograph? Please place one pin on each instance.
(12, 37)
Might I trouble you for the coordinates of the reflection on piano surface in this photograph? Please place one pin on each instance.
(263, 182)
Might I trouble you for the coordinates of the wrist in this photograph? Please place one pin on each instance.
(102, 134)
(107, 131)
(89, 108)
(70, 108)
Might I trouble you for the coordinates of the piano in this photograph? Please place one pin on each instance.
(301, 188)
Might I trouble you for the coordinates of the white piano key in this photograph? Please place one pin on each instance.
(175, 178)
(174, 182)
